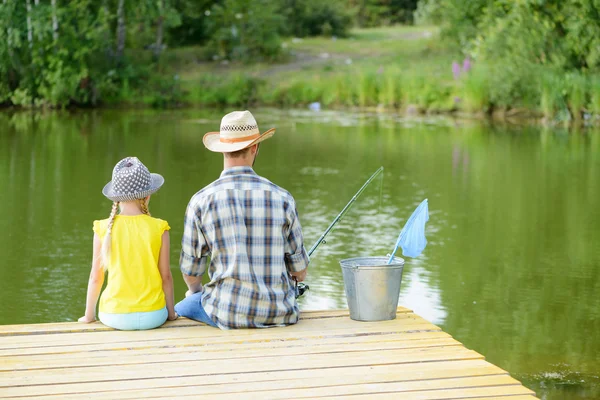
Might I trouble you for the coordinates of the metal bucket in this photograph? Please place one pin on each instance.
(372, 287)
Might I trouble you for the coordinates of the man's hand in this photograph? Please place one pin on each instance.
(86, 319)
(300, 275)
(173, 316)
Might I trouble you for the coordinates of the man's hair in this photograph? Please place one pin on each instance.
(237, 154)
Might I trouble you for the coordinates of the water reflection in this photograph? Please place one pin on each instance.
(419, 294)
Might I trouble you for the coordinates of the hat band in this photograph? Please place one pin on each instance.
(240, 139)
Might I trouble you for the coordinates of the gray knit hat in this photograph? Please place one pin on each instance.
(131, 180)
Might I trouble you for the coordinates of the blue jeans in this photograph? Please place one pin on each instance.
(191, 307)
(136, 321)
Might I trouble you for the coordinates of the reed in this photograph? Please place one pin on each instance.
(576, 94)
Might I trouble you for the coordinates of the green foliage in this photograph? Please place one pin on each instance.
(316, 18)
(459, 19)
(236, 90)
(542, 53)
(389, 93)
(594, 87)
(552, 94)
(558, 33)
(4, 93)
(193, 28)
(163, 92)
(372, 13)
(367, 89)
(67, 56)
(476, 94)
(576, 94)
(246, 31)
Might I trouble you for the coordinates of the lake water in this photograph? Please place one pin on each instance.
(512, 268)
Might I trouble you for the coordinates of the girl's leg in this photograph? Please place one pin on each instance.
(191, 307)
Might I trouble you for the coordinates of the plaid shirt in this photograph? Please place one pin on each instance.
(249, 228)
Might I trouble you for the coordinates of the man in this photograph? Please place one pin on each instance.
(249, 228)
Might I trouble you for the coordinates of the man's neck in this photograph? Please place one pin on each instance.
(236, 162)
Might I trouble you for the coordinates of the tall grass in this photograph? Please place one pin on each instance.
(594, 104)
(389, 91)
(476, 90)
(553, 93)
(576, 94)
(367, 90)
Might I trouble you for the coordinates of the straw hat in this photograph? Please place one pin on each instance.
(131, 180)
(238, 131)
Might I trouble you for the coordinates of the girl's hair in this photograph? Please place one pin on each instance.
(106, 244)
(144, 205)
(107, 238)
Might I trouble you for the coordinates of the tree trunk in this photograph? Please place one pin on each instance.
(29, 27)
(107, 36)
(159, 29)
(54, 22)
(120, 29)
(38, 27)
(8, 34)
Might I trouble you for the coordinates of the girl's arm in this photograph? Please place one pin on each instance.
(165, 272)
(95, 283)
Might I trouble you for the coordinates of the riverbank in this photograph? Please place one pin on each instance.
(402, 69)
(398, 69)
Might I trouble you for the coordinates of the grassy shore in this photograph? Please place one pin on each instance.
(405, 69)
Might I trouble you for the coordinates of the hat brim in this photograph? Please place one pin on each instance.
(156, 181)
(212, 142)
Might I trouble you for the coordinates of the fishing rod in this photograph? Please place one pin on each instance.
(341, 214)
(300, 288)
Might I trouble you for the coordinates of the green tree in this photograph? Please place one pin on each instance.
(371, 13)
(316, 17)
(245, 31)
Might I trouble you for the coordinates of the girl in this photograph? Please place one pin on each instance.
(133, 248)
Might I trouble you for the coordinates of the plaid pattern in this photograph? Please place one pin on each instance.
(249, 228)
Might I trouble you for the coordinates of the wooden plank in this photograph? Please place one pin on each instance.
(305, 389)
(340, 313)
(222, 343)
(508, 397)
(450, 394)
(152, 356)
(124, 339)
(248, 382)
(149, 355)
(400, 388)
(403, 323)
(70, 327)
(174, 368)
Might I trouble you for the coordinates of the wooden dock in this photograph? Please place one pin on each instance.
(325, 355)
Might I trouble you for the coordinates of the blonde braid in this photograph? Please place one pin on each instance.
(106, 244)
(144, 206)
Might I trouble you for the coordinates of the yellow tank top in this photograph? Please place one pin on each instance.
(134, 281)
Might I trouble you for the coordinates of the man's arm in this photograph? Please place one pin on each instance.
(194, 250)
(194, 284)
(296, 258)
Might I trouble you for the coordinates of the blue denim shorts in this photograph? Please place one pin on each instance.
(135, 321)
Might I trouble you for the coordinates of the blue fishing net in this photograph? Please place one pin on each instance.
(412, 237)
